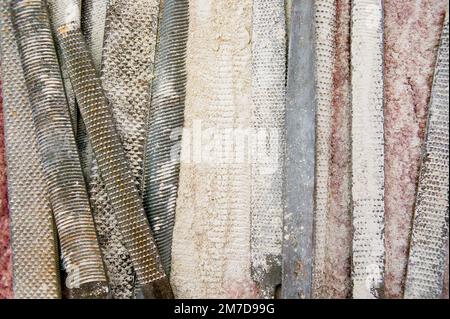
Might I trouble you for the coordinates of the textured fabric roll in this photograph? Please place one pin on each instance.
(339, 229)
(127, 73)
(429, 240)
(268, 93)
(5, 250)
(211, 247)
(59, 157)
(166, 119)
(325, 24)
(300, 155)
(367, 148)
(113, 164)
(412, 31)
(34, 245)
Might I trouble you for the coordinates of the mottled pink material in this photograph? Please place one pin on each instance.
(5, 251)
(446, 279)
(339, 232)
(412, 32)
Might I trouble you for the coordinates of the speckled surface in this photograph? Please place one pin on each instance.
(5, 252)
(339, 225)
(412, 32)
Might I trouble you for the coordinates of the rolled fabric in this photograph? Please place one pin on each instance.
(367, 148)
(80, 251)
(300, 155)
(113, 165)
(429, 240)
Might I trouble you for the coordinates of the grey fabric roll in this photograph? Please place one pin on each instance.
(33, 235)
(429, 241)
(59, 157)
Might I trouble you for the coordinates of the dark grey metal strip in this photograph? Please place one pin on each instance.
(300, 154)
(113, 164)
(162, 162)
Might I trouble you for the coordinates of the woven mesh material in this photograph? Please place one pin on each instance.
(127, 71)
(112, 162)
(426, 264)
(325, 17)
(300, 155)
(33, 241)
(78, 241)
(211, 249)
(165, 123)
(367, 148)
(269, 77)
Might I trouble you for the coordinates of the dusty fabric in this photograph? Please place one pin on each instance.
(412, 33)
(5, 251)
(211, 247)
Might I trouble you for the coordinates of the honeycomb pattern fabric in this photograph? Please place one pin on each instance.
(429, 241)
(33, 242)
(268, 94)
(367, 148)
(80, 251)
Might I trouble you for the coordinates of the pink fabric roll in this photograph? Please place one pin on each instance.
(412, 32)
(5, 251)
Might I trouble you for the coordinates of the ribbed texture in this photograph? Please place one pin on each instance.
(162, 163)
(127, 73)
(211, 247)
(300, 154)
(113, 164)
(325, 15)
(429, 242)
(35, 266)
(78, 240)
(268, 94)
(367, 148)
(93, 15)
